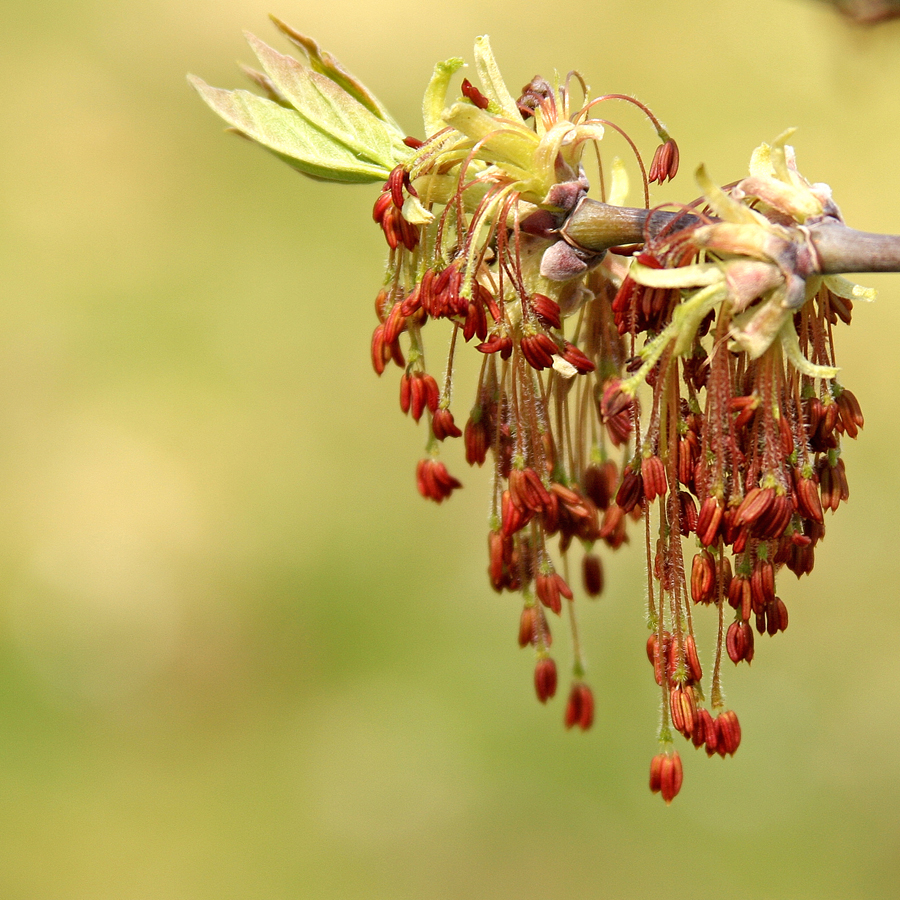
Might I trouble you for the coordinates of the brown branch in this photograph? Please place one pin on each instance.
(594, 227)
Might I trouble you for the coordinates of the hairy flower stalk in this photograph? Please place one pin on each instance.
(675, 366)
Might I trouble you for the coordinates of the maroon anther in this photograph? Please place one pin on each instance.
(477, 438)
(549, 588)
(704, 731)
(682, 706)
(599, 482)
(653, 474)
(546, 310)
(527, 491)
(443, 426)
(739, 642)
(762, 585)
(545, 679)
(497, 560)
(394, 324)
(592, 574)
(532, 626)
(418, 391)
(631, 490)
(514, 518)
(729, 732)
(574, 357)
(709, 520)
(434, 481)
(538, 350)
(612, 528)
(666, 775)
(476, 322)
(665, 162)
(689, 516)
(381, 353)
(806, 496)
(710, 732)
(755, 504)
(703, 577)
(497, 343)
(776, 616)
(615, 412)
(692, 660)
(580, 707)
(471, 93)
(851, 417)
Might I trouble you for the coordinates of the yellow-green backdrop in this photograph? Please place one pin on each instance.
(239, 656)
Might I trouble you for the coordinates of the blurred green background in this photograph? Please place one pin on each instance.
(239, 656)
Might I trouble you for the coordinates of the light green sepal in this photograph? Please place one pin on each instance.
(494, 87)
(435, 100)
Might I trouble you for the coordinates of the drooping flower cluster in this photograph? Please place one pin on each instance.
(686, 381)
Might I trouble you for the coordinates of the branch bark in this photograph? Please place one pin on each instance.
(595, 227)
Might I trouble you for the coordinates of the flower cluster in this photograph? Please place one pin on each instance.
(681, 376)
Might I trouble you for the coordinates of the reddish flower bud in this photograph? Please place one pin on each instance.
(580, 707)
(545, 678)
(666, 775)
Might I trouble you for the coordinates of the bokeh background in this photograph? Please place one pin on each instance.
(239, 656)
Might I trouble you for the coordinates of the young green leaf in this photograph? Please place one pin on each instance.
(331, 109)
(290, 136)
(325, 64)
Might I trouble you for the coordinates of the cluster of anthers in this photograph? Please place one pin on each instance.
(685, 381)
